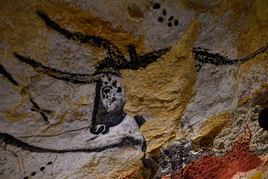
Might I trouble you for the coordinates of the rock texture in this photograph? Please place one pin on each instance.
(239, 159)
(133, 89)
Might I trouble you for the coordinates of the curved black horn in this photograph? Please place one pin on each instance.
(76, 78)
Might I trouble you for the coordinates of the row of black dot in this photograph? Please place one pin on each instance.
(171, 20)
(41, 169)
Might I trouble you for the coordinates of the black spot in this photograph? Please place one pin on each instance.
(119, 90)
(106, 91)
(170, 18)
(156, 6)
(114, 83)
(169, 24)
(263, 119)
(164, 12)
(33, 173)
(49, 163)
(106, 82)
(176, 22)
(160, 19)
(42, 168)
(26, 178)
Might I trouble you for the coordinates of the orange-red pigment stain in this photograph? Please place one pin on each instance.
(239, 159)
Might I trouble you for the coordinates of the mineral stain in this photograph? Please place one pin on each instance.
(239, 159)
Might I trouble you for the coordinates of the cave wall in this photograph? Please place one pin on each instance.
(132, 89)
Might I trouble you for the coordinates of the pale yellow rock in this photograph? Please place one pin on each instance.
(211, 128)
(135, 171)
(251, 75)
(162, 90)
(257, 175)
(254, 32)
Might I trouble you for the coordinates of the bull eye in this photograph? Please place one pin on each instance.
(263, 118)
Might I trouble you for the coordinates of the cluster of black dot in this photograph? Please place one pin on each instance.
(163, 17)
(41, 169)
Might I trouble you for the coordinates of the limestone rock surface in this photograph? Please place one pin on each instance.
(133, 89)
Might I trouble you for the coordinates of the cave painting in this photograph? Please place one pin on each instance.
(109, 95)
(109, 100)
(204, 56)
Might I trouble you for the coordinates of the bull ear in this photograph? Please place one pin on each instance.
(133, 54)
(143, 61)
(152, 56)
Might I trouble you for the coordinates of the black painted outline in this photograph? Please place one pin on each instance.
(203, 56)
(115, 59)
(8, 76)
(76, 78)
(42, 112)
(113, 62)
(35, 107)
(11, 140)
(103, 120)
(113, 52)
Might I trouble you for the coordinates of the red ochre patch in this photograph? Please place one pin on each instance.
(239, 159)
